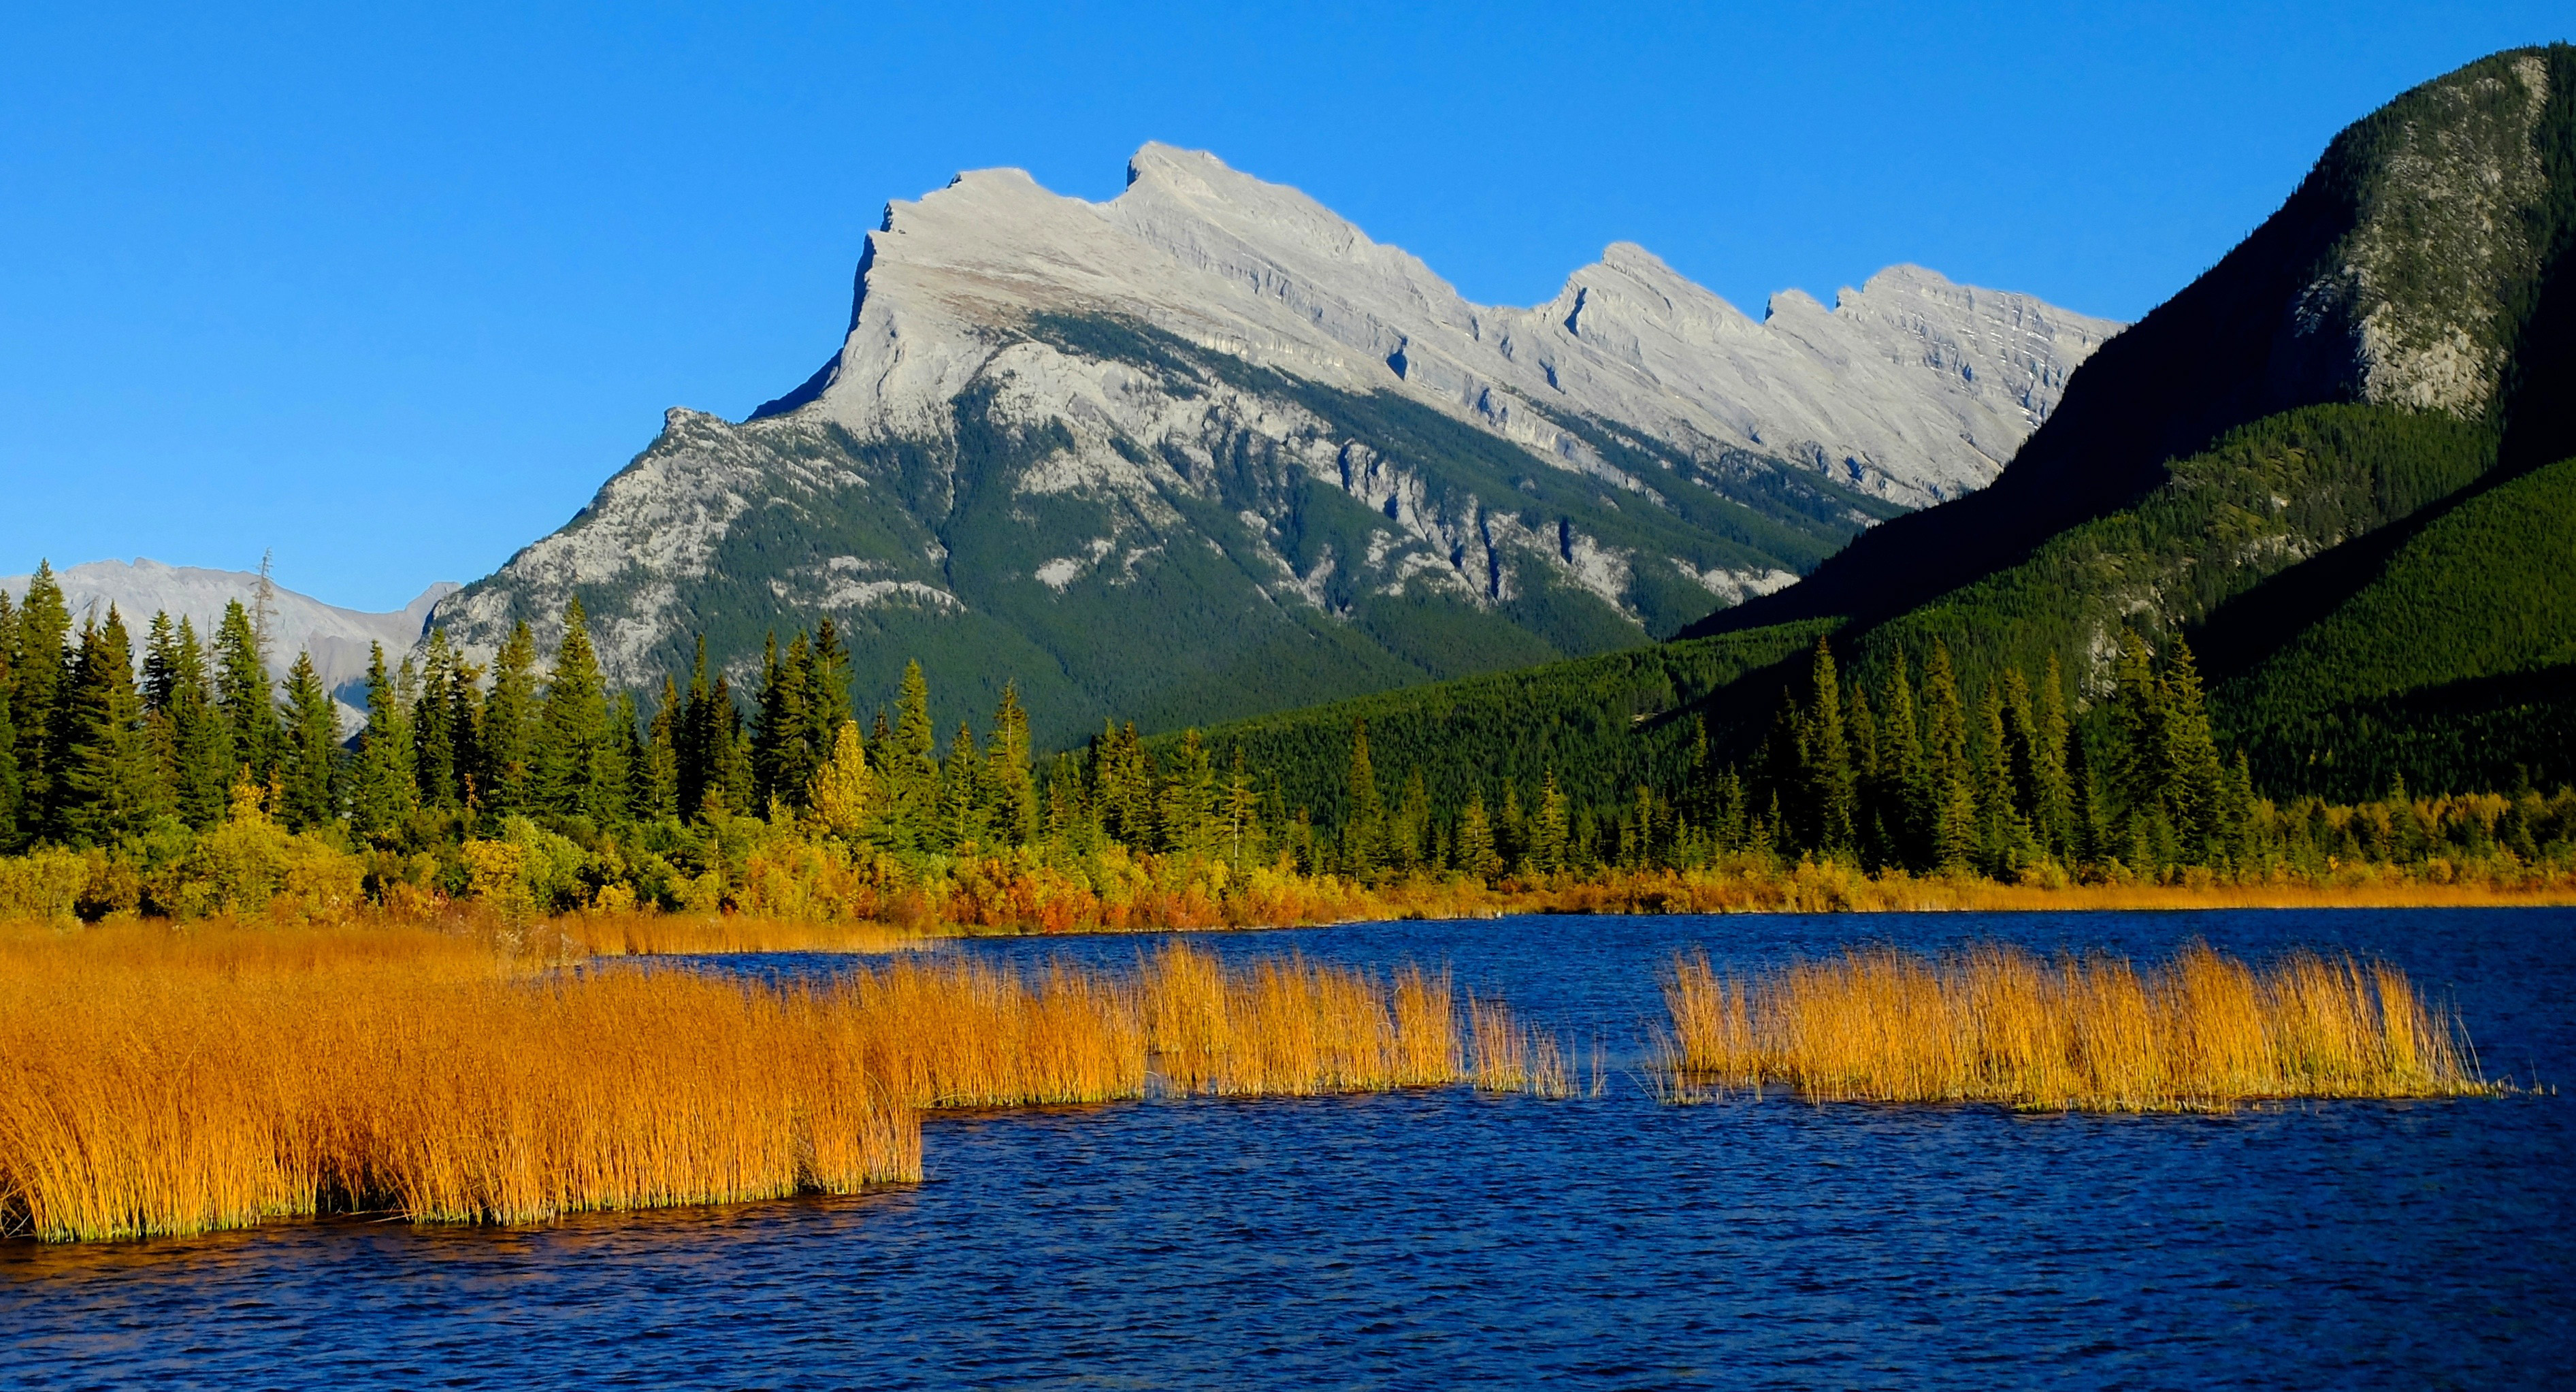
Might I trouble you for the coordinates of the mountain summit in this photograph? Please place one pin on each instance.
(1205, 449)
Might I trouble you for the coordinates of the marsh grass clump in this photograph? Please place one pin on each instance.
(157, 1082)
(1993, 1023)
(1507, 1056)
(1290, 1027)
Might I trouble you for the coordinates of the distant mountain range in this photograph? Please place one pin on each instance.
(1205, 450)
(338, 638)
(2341, 463)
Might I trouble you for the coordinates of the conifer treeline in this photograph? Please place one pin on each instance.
(1918, 775)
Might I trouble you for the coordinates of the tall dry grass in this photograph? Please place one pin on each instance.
(1998, 1024)
(157, 1082)
(1290, 1027)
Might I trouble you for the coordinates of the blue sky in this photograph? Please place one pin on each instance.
(394, 290)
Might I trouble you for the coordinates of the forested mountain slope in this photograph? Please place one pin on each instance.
(2331, 463)
(1206, 450)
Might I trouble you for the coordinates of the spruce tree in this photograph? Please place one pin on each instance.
(1550, 835)
(2054, 793)
(39, 668)
(1830, 791)
(12, 787)
(433, 728)
(827, 691)
(105, 777)
(1365, 823)
(571, 731)
(843, 789)
(657, 785)
(1242, 815)
(1952, 813)
(1475, 856)
(311, 773)
(784, 752)
(961, 794)
(693, 741)
(2195, 789)
(383, 785)
(1903, 795)
(1012, 809)
(509, 734)
(1188, 802)
(198, 737)
(246, 698)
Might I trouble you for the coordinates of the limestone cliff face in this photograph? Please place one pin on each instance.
(1211, 424)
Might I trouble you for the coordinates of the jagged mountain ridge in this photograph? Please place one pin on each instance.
(1206, 449)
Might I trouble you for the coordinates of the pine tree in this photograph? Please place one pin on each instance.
(40, 666)
(246, 698)
(693, 741)
(2195, 789)
(433, 728)
(1187, 806)
(12, 787)
(1830, 790)
(1365, 827)
(780, 763)
(1903, 795)
(1999, 836)
(572, 738)
(2139, 775)
(105, 777)
(1952, 815)
(197, 737)
(961, 799)
(1475, 855)
(1242, 815)
(912, 769)
(2053, 812)
(510, 718)
(657, 782)
(827, 691)
(1011, 793)
(1550, 837)
(311, 773)
(383, 786)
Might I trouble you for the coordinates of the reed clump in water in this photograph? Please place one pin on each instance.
(1997, 1024)
(1506, 1056)
(162, 1083)
(1293, 1028)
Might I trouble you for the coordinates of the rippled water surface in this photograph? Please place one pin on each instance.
(1441, 1239)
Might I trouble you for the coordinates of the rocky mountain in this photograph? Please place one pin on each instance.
(1206, 449)
(2405, 274)
(338, 638)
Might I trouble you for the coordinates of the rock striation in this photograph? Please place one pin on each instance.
(1211, 423)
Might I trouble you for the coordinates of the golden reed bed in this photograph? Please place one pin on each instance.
(1997, 1024)
(154, 1082)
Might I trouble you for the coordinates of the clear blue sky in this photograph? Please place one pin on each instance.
(393, 291)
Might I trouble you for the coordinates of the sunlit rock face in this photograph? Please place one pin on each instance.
(1205, 449)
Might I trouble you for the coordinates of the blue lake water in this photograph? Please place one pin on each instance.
(1444, 1238)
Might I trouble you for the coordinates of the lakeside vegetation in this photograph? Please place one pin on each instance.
(190, 790)
(158, 1083)
(2199, 1032)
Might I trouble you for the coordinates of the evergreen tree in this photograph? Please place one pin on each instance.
(961, 793)
(1952, 813)
(1011, 792)
(827, 691)
(1830, 789)
(105, 776)
(1187, 807)
(2195, 795)
(246, 698)
(657, 771)
(693, 741)
(2053, 793)
(912, 769)
(12, 787)
(1364, 828)
(39, 667)
(1475, 856)
(507, 782)
(383, 786)
(572, 742)
(311, 774)
(202, 768)
(435, 766)
(1550, 837)
(1242, 814)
